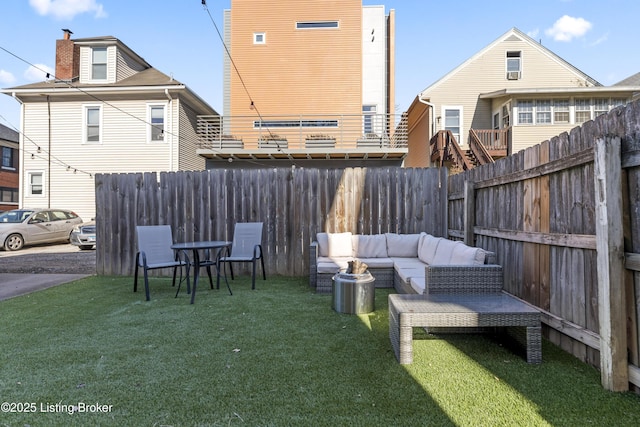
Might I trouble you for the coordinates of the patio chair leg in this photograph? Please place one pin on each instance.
(253, 275)
(264, 274)
(146, 284)
(210, 278)
(135, 278)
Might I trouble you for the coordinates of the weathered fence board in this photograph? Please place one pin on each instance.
(293, 204)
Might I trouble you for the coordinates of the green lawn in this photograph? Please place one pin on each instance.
(275, 356)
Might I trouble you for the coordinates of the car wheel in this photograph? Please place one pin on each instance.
(86, 247)
(14, 242)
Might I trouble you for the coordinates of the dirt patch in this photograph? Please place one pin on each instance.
(51, 259)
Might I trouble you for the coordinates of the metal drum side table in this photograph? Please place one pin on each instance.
(353, 293)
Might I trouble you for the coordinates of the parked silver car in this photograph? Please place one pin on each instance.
(21, 227)
(84, 235)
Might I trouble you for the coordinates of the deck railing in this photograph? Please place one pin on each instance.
(300, 132)
(494, 139)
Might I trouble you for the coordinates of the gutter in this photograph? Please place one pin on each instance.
(433, 116)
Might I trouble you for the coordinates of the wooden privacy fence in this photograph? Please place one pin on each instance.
(560, 217)
(293, 204)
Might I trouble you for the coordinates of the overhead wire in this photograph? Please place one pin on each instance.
(244, 85)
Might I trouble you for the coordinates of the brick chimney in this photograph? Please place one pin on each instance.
(67, 57)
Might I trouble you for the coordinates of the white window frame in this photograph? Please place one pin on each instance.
(521, 112)
(258, 35)
(508, 58)
(106, 64)
(150, 123)
(85, 124)
(29, 183)
(460, 122)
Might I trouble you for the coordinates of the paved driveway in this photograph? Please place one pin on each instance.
(40, 267)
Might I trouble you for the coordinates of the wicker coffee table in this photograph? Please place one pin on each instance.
(462, 311)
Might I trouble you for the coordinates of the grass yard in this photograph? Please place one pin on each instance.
(275, 356)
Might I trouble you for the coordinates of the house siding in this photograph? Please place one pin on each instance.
(280, 73)
(188, 158)
(124, 148)
(486, 72)
(126, 66)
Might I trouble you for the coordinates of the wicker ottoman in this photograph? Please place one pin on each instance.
(462, 311)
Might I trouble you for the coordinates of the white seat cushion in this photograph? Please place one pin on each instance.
(428, 247)
(402, 245)
(443, 252)
(323, 244)
(332, 265)
(466, 255)
(407, 274)
(407, 263)
(417, 284)
(378, 262)
(369, 246)
(340, 245)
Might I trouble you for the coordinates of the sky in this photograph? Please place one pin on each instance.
(179, 38)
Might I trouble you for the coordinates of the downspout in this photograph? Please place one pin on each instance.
(433, 121)
(21, 166)
(169, 132)
(49, 153)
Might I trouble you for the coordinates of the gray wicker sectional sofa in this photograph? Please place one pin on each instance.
(406, 262)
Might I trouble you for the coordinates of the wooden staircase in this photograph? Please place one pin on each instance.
(446, 152)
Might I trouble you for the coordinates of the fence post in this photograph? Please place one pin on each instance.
(469, 212)
(614, 372)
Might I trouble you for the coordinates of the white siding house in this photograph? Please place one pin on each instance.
(106, 111)
(516, 87)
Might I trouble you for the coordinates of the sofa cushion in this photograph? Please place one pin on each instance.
(466, 255)
(418, 284)
(444, 252)
(406, 274)
(332, 265)
(427, 248)
(323, 244)
(340, 245)
(378, 262)
(407, 263)
(402, 245)
(369, 246)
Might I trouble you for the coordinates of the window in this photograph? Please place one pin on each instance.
(600, 106)
(93, 117)
(514, 65)
(316, 24)
(7, 158)
(99, 63)
(36, 183)
(368, 113)
(543, 112)
(561, 111)
(8, 195)
(259, 38)
(453, 121)
(525, 112)
(506, 115)
(583, 109)
(156, 120)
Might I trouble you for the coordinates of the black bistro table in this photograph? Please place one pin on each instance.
(196, 247)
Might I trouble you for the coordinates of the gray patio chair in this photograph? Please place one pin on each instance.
(245, 247)
(154, 252)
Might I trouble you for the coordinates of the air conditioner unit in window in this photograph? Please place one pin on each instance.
(513, 75)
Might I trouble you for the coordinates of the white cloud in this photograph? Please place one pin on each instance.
(38, 73)
(567, 28)
(6, 78)
(67, 9)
